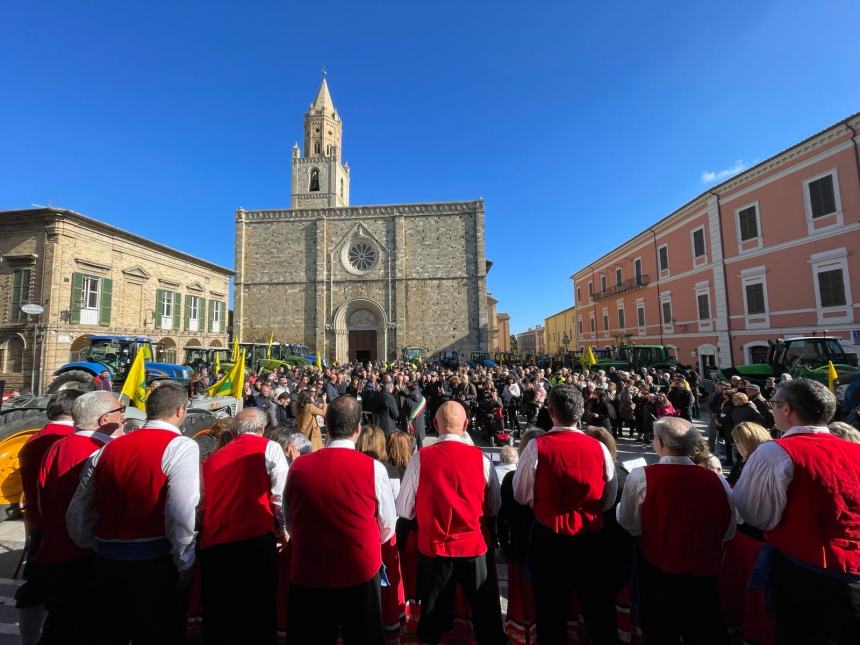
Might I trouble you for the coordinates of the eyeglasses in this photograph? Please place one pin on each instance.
(776, 401)
(119, 409)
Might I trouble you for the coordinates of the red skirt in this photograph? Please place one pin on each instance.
(744, 608)
(393, 596)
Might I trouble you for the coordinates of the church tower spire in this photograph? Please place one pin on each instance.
(320, 180)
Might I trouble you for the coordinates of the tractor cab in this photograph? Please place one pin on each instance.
(199, 357)
(810, 352)
(412, 354)
(481, 359)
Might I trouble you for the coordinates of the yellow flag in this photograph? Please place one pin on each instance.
(269, 348)
(592, 360)
(235, 355)
(217, 363)
(319, 360)
(232, 382)
(135, 383)
(832, 376)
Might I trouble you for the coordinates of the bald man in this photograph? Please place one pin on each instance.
(451, 489)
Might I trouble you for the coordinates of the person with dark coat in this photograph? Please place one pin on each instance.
(681, 398)
(412, 413)
(385, 410)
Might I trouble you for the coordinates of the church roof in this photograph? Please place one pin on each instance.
(323, 98)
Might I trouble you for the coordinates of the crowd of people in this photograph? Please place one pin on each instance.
(352, 503)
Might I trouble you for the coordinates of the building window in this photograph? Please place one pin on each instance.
(20, 294)
(622, 325)
(315, 181)
(579, 295)
(590, 291)
(341, 188)
(831, 288)
(640, 315)
(580, 326)
(602, 283)
(666, 309)
(605, 321)
(663, 253)
(591, 323)
(758, 355)
(193, 313)
(637, 269)
(703, 304)
(698, 242)
(822, 196)
(90, 300)
(618, 277)
(755, 298)
(215, 318)
(748, 223)
(317, 148)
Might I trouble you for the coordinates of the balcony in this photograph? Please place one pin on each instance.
(628, 285)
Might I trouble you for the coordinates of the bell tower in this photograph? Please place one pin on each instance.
(319, 178)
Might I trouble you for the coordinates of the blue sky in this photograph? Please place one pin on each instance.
(578, 124)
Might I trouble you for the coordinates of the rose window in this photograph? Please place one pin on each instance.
(362, 256)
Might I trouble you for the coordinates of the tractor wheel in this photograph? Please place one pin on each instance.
(72, 380)
(15, 429)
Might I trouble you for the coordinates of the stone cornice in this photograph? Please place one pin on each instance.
(357, 212)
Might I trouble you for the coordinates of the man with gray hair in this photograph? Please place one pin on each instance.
(803, 491)
(681, 515)
(136, 505)
(97, 415)
(242, 518)
(508, 457)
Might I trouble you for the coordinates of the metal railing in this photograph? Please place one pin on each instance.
(630, 284)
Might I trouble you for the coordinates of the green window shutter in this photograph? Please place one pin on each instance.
(177, 309)
(187, 312)
(159, 307)
(210, 314)
(75, 306)
(105, 303)
(201, 314)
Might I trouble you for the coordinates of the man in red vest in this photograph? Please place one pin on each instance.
(31, 595)
(682, 515)
(340, 510)
(242, 513)
(803, 490)
(568, 478)
(451, 490)
(136, 506)
(97, 415)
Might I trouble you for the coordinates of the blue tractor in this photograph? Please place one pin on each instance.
(114, 354)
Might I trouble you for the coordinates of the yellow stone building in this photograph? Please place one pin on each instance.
(556, 327)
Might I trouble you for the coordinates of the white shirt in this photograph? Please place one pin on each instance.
(181, 466)
(524, 478)
(502, 470)
(277, 467)
(761, 493)
(386, 516)
(629, 511)
(409, 485)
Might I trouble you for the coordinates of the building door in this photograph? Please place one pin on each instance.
(362, 346)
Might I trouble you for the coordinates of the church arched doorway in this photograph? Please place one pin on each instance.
(360, 332)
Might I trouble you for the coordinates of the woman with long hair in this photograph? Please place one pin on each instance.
(306, 420)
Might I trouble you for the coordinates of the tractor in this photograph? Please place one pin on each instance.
(199, 357)
(635, 357)
(114, 354)
(481, 359)
(801, 357)
(412, 355)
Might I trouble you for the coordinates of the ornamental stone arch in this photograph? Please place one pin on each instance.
(359, 314)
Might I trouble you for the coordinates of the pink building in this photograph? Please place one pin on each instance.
(771, 252)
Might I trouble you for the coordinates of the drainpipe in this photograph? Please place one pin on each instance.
(657, 282)
(856, 153)
(725, 277)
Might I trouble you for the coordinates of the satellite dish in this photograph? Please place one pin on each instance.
(32, 309)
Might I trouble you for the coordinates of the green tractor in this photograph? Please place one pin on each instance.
(634, 357)
(199, 357)
(801, 357)
(412, 355)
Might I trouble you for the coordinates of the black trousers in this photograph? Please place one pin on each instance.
(69, 593)
(812, 608)
(676, 607)
(139, 602)
(436, 584)
(316, 615)
(562, 565)
(238, 581)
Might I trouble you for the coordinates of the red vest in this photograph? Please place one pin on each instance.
(685, 516)
(29, 460)
(335, 536)
(131, 486)
(58, 480)
(821, 521)
(449, 503)
(569, 482)
(237, 504)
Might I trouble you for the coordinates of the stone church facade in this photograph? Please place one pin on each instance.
(358, 282)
